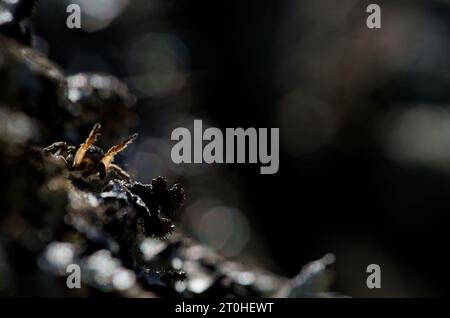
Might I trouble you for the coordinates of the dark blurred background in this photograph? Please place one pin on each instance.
(363, 115)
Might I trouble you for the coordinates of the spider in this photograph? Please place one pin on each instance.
(88, 160)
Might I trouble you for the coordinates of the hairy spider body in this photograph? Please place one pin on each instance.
(89, 160)
(90, 164)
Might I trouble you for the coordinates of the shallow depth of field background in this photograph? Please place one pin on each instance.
(363, 115)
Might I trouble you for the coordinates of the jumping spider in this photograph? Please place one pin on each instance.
(88, 160)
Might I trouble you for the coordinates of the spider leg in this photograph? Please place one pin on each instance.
(122, 174)
(59, 157)
(109, 156)
(59, 151)
(79, 156)
(56, 148)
